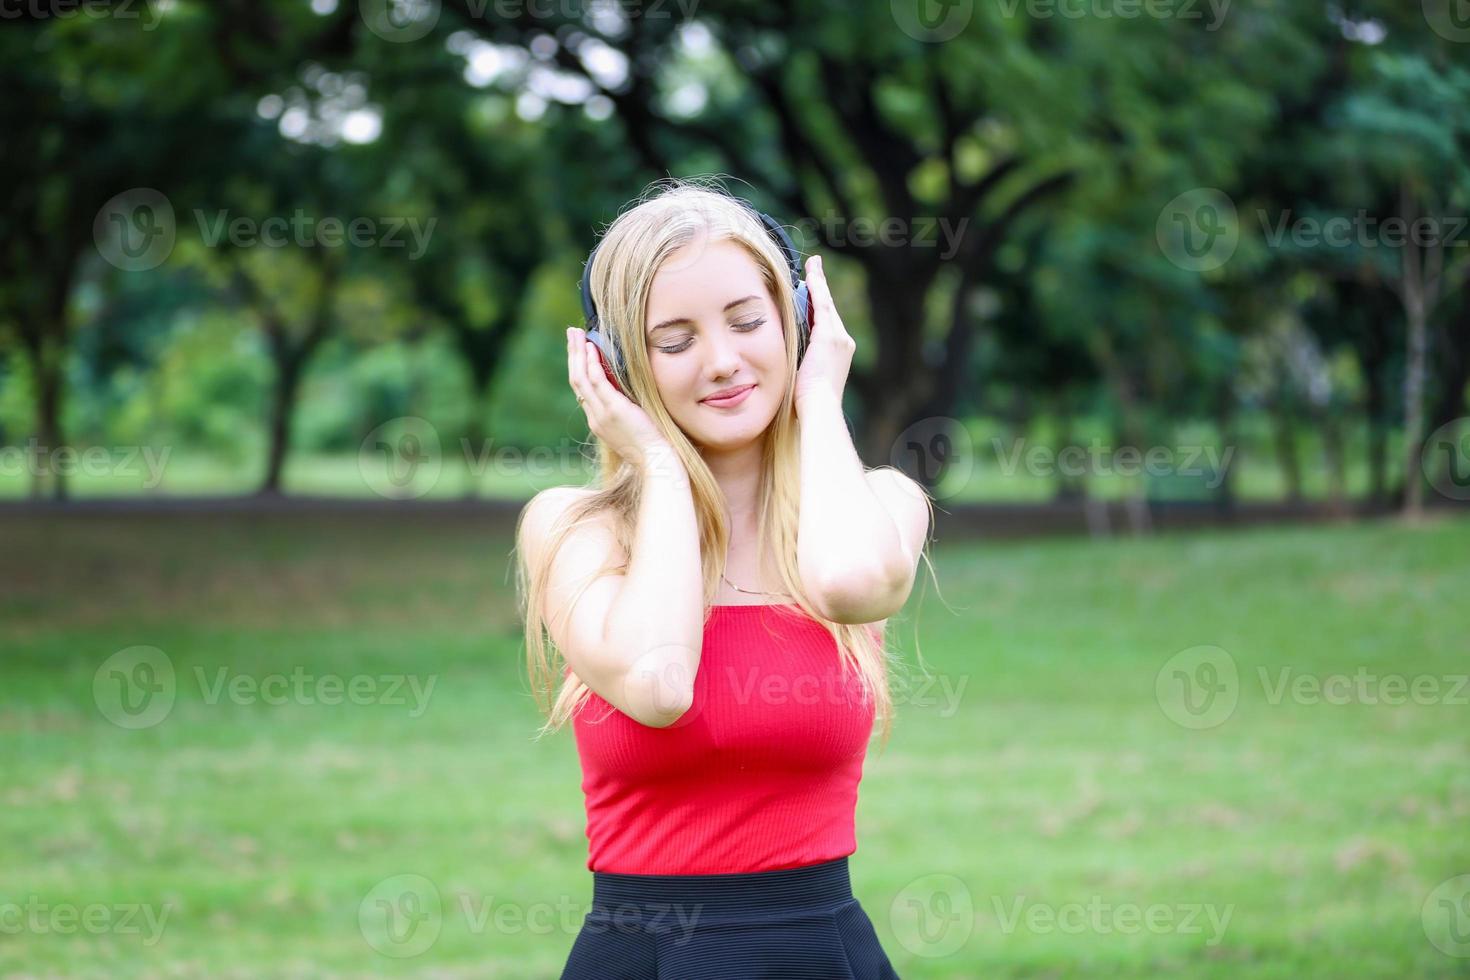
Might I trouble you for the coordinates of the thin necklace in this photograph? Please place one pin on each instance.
(746, 591)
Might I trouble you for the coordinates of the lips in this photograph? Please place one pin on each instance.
(729, 397)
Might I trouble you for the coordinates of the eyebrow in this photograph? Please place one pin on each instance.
(681, 320)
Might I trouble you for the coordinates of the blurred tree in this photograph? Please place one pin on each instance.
(106, 114)
(1035, 352)
(840, 120)
(853, 119)
(52, 109)
(519, 133)
(280, 225)
(1451, 341)
(293, 302)
(1404, 135)
(461, 156)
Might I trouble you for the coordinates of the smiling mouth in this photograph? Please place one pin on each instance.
(730, 399)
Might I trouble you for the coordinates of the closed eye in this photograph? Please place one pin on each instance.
(744, 327)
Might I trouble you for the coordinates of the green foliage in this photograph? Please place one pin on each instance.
(1053, 777)
(1305, 111)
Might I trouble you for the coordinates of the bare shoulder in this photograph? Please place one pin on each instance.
(551, 503)
(580, 574)
(542, 513)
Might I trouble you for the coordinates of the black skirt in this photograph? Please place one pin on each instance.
(793, 923)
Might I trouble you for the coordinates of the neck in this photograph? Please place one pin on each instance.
(738, 472)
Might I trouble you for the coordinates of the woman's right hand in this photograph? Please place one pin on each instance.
(611, 416)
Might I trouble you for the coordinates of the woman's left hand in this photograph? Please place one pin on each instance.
(824, 367)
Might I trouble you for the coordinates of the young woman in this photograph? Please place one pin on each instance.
(718, 599)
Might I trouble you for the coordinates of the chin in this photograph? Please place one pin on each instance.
(726, 439)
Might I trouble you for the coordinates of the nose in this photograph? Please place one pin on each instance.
(723, 358)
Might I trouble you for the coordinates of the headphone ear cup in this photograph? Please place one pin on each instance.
(611, 366)
(803, 299)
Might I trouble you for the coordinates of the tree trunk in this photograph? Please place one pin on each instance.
(1225, 428)
(1069, 487)
(893, 398)
(1336, 467)
(1135, 503)
(1284, 433)
(1129, 431)
(1452, 374)
(283, 410)
(926, 458)
(46, 340)
(289, 356)
(476, 452)
(1375, 409)
(1419, 292)
(46, 372)
(1414, 371)
(1451, 368)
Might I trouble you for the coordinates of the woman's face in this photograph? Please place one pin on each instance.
(712, 326)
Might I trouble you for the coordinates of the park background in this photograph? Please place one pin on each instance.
(1163, 301)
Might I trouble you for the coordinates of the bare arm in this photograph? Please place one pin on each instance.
(657, 622)
(860, 533)
(633, 638)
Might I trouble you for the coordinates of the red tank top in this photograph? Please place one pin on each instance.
(761, 773)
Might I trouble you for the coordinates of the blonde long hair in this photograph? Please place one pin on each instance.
(671, 214)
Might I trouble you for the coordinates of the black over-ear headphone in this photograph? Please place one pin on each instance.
(612, 362)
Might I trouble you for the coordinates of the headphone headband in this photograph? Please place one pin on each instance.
(589, 312)
(788, 247)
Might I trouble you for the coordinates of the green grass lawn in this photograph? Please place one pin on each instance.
(987, 463)
(1041, 811)
(192, 474)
